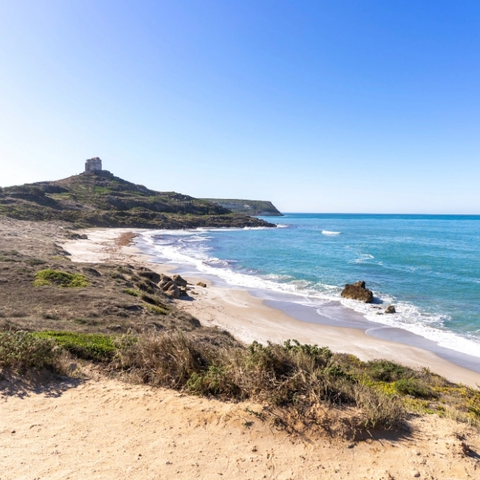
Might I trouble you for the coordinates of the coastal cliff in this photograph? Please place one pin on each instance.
(100, 199)
(260, 208)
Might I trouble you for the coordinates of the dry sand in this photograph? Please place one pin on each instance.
(105, 429)
(109, 430)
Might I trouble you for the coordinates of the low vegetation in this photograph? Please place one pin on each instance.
(22, 351)
(86, 346)
(49, 277)
(294, 382)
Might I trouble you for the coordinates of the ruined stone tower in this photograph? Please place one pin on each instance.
(93, 165)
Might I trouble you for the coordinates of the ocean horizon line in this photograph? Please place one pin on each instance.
(384, 214)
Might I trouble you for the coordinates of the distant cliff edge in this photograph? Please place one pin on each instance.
(259, 208)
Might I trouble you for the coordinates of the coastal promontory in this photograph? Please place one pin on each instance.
(97, 198)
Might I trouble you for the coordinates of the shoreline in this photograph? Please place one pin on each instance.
(249, 317)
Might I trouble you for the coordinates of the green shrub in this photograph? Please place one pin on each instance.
(59, 279)
(132, 292)
(217, 380)
(387, 371)
(34, 261)
(157, 310)
(413, 387)
(87, 346)
(23, 350)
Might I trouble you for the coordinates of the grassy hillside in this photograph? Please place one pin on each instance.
(260, 208)
(102, 200)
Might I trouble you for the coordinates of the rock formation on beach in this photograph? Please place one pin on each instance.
(358, 291)
(97, 198)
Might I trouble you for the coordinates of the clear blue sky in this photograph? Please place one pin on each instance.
(319, 106)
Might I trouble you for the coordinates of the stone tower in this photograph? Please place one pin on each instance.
(93, 165)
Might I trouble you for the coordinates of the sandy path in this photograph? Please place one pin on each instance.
(110, 430)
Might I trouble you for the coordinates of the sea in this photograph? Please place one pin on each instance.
(427, 266)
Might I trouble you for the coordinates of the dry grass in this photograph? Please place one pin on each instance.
(301, 381)
(298, 384)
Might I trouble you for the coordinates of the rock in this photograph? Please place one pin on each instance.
(179, 280)
(91, 271)
(149, 274)
(358, 291)
(172, 290)
(183, 291)
(390, 309)
(164, 279)
(77, 236)
(201, 284)
(133, 308)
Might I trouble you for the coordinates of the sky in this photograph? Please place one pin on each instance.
(354, 106)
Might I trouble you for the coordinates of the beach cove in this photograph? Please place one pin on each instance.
(250, 318)
(88, 424)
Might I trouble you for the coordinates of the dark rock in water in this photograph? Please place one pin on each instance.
(181, 282)
(390, 309)
(358, 291)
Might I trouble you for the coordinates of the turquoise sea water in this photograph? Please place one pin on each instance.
(427, 266)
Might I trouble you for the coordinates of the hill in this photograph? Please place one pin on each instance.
(259, 208)
(100, 199)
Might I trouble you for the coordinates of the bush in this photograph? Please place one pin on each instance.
(23, 350)
(413, 387)
(387, 371)
(166, 360)
(60, 279)
(132, 292)
(83, 345)
(34, 262)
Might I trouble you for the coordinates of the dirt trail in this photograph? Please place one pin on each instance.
(106, 429)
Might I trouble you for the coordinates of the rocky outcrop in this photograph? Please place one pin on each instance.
(358, 291)
(181, 282)
(174, 287)
(149, 274)
(390, 309)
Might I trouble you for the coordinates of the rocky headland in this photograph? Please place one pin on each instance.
(100, 199)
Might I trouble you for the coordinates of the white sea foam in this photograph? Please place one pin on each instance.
(410, 318)
(364, 258)
(328, 232)
(197, 256)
